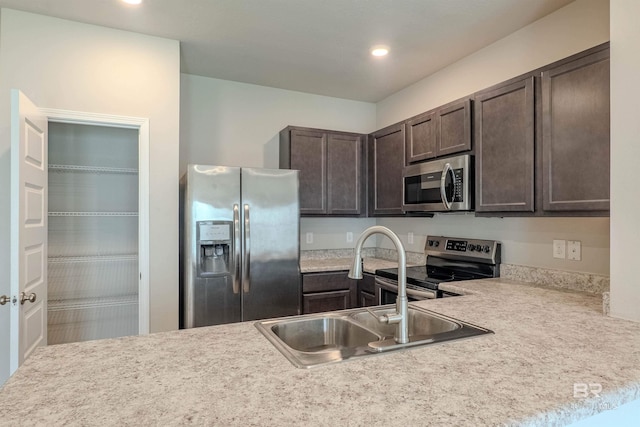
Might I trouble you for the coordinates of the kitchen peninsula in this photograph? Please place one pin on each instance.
(545, 343)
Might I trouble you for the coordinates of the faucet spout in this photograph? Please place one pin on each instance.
(401, 316)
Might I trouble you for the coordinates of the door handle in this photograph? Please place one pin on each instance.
(236, 249)
(443, 181)
(24, 298)
(246, 273)
(4, 299)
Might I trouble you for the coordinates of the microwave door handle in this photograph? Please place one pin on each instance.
(443, 181)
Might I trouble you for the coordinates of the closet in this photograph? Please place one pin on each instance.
(92, 232)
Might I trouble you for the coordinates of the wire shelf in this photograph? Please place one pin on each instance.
(93, 213)
(91, 169)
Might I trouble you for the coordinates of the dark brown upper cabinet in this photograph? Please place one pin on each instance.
(575, 134)
(443, 131)
(332, 170)
(504, 137)
(386, 161)
(421, 141)
(542, 140)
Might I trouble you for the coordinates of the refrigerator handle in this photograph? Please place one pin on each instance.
(236, 249)
(246, 274)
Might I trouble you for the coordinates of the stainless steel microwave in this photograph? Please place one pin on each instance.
(441, 185)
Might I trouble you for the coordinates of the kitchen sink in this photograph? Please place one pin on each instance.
(319, 334)
(317, 339)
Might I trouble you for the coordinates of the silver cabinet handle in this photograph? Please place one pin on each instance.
(246, 274)
(24, 298)
(236, 248)
(4, 299)
(443, 180)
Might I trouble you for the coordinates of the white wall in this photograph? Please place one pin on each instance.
(576, 27)
(238, 124)
(571, 29)
(625, 155)
(67, 65)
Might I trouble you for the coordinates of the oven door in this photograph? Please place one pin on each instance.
(387, 292)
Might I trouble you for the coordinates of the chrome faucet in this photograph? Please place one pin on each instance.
(401, 316)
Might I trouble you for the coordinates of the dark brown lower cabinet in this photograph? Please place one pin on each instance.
(328, 292)
(367, 291)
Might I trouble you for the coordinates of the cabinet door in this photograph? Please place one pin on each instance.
(454, 128)
(367, 291)
(421, 141)
(386, 157)
(308, 155)
(575, 135)
(319, 302)
(333, 290)
(344, 174)
(504, 134)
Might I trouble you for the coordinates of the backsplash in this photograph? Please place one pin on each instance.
(317, 254)
(382, 253)
(584, 282)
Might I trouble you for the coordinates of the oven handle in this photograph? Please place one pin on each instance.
(392, 285)
(443, 181)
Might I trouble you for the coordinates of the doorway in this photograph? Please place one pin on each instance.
(29, 136)
(92, 257)
(126, 128)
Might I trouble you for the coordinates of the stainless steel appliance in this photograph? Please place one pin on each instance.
(441, 185)
(448, 259)
(241, 246)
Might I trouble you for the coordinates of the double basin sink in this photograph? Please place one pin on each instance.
(318, 339)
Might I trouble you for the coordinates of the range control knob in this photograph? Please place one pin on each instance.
(430, 242)
(471, 247)
(485, 248)
(436, 243)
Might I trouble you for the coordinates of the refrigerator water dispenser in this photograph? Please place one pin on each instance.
(214, 246)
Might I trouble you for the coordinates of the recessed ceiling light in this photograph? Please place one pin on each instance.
(132, 1)
(379, 51)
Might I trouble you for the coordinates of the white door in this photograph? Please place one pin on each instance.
(28, 229)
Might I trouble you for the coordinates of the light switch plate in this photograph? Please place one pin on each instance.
(309, 238)
(349, 236)
(410, 238)
(574, 250)
(559, 249)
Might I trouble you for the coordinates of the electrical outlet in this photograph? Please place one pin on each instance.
(574, 250)
(559, 249)
(410, 238)
(309, 237)
(349, 237)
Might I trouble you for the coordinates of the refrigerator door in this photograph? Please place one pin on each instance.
(271, 217)
(211, 291)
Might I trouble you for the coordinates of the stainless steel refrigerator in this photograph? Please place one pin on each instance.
(240, 245)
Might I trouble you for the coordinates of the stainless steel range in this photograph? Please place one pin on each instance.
(448, 259)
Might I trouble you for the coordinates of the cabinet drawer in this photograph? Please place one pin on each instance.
(320, 282)
(318, 302)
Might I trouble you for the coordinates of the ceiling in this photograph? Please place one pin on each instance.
(314, 46)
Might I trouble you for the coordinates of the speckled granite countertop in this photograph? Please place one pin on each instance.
(546, 341)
